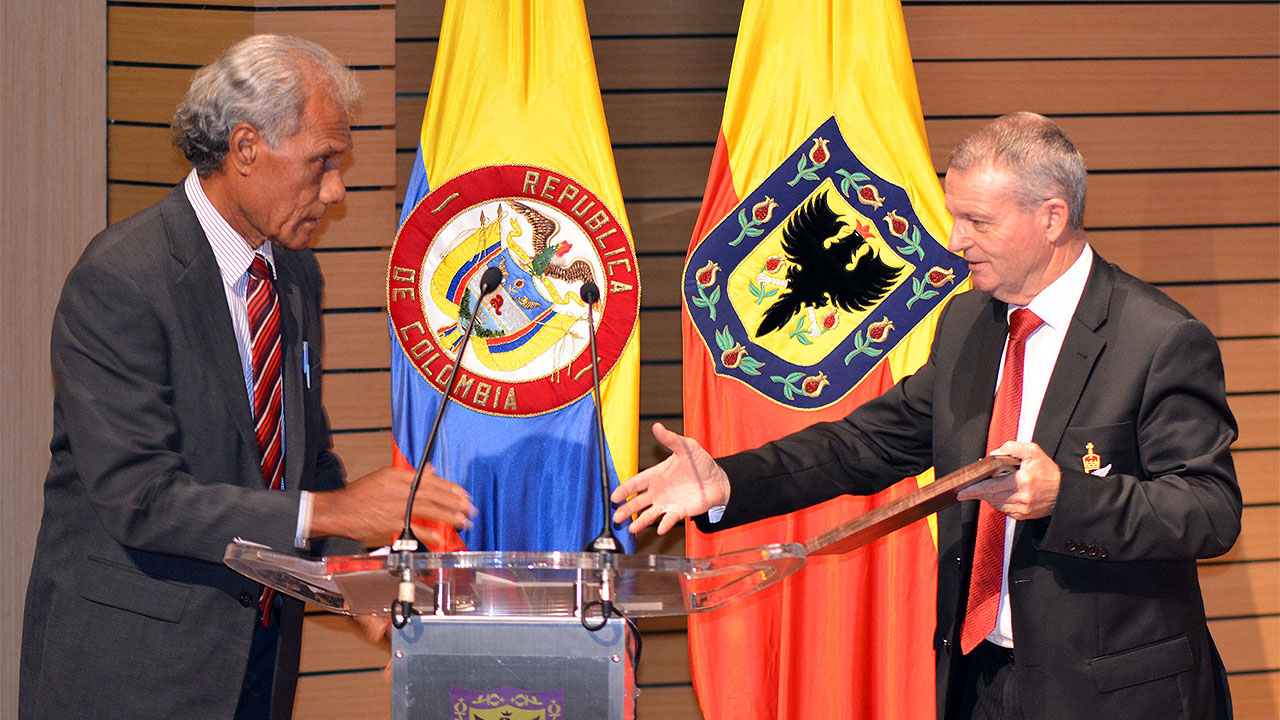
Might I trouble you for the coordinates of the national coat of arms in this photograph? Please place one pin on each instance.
(548, 234)
(822, 269)
(506, 703)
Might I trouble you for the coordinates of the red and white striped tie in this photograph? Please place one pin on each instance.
(988, 552)
(268, 388)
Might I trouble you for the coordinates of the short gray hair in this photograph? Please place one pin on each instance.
(263, 80)
(1037, 152)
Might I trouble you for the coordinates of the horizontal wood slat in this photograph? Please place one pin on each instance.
(1061, 87)
(1256, 695)
(1239, 589)
(668, 703)
(334, 642)
(355, 279)
(1193, 254)
(1146, 142)
(1232, 310)
(151, 94)
(356, 341)
(1248, 644)
(1256, 470)
(365, 219)
(1074, 31)
(1252, 365)
(661, 332)
(343, 696)
(196, 36)
(146, 154)
(125, 200)
(1259, 536)
(1258, 417)
(951, 88)
(363, 452)
(358, 400)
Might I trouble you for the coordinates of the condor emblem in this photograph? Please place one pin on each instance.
(821, 270)
(548, 234)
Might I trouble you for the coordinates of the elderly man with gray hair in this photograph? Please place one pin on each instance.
(1067, 590)
(186, 355)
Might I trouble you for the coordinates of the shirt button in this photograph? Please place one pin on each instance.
(246, 599)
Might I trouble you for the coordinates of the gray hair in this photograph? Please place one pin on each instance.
(1037, 152)
(263, 80)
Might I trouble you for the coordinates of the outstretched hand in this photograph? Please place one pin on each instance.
(686, 484)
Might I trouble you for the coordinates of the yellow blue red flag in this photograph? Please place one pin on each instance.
(514, 170)
(812, 284)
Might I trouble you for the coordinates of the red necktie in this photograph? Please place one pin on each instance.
(988, 551)
(268, 389)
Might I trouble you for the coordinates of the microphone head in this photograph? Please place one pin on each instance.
(490, 280)
(590, 292)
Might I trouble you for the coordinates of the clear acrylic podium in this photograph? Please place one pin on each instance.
(503, 635)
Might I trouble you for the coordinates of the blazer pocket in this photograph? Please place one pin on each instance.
(108, 583)
(1144, 664)
(1111, 448)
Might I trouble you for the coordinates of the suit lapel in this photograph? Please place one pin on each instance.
(1080, 349)
(291, 324)
(197, 277)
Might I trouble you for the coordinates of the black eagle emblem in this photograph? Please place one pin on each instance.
(827, 266)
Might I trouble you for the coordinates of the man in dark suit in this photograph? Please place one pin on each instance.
(1068, 589)
(186, 353)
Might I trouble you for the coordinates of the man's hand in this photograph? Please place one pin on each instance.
(1029, 493)
(686, 484)
(371, 508)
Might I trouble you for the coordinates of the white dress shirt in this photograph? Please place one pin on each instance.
(1055, 305)
(234, 255)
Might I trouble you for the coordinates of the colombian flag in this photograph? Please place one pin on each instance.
(515, 118)
(849, 636)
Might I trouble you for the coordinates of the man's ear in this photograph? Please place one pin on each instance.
(244, 147)
(1054, 215)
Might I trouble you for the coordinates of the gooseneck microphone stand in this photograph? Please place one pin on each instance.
(407, 543)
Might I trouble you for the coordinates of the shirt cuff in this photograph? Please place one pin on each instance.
(714, 514)
(300, 539)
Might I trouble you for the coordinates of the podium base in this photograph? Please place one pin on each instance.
(451, 668)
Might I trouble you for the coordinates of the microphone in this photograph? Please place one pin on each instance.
(606, 542)
(402, 606)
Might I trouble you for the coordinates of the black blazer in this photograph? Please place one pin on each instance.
(1107, 615)
(130, 611)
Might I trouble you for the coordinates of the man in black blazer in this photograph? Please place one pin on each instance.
(156, 467)
(1125, 478)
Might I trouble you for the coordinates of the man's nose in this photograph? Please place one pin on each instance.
(332, 189)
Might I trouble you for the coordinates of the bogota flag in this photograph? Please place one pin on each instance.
(812, 284)
(514, 170)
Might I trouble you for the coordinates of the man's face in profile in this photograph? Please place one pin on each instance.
(298, 180)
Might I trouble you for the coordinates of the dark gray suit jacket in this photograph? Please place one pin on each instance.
(130, 611)
(1108, 618)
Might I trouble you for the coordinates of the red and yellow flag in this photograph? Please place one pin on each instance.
(812, 284)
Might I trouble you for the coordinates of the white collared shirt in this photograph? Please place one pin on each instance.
(234, 255)
(1055, 305)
